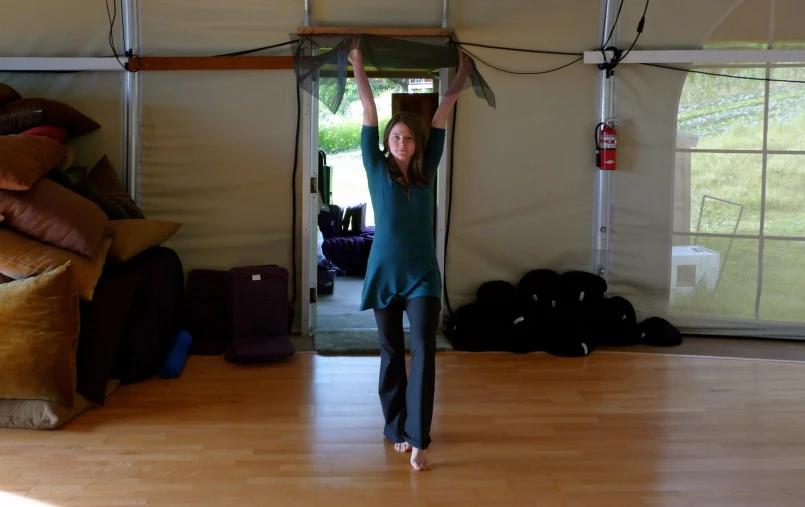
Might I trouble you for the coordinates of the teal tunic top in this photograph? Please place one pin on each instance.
(403, 260)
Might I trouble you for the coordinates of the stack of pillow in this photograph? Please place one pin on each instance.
(59, 226)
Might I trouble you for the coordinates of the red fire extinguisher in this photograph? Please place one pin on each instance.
(606, 142)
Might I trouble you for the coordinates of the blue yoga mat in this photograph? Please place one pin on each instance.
(172, 367)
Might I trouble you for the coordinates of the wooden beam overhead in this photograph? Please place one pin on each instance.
(330, 31)
(213, 63)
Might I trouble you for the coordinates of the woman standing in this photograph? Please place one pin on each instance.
(403, 271)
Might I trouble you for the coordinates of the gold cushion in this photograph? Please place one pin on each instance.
(23, 257)
(39, 337)
(132, 236)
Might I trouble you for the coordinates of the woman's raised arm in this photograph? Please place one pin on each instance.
(449, 99)
(364, 90)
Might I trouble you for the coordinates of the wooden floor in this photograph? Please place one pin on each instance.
(613, 430)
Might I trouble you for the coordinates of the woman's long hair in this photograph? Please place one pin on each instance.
(416, 170)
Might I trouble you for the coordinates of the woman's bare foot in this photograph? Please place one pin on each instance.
(419, 459)
(402, 447)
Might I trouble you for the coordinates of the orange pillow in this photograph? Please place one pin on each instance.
(104, 177)
(133, 236)
(26, 159)
(23, 257)
(39, 337)
(55, 215)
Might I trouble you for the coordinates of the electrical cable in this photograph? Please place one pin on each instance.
(248, 51)
(612, 31)
(112, 16)
(522, 50)
(293, 187)
(449, 205)
(640, 26)
(748, 78)
(524, 72)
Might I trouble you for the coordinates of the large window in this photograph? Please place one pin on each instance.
(739, 197)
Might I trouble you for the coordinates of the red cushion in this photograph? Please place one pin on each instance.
(58, 134)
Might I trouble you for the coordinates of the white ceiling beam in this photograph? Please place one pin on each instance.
(32, 64)
(725, 56)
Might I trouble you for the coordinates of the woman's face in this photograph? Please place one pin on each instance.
(402, 144)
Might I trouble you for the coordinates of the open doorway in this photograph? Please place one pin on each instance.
(346, 217)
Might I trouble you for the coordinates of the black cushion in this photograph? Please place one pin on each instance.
(617, 322)
(539, 291)
(579, 288)
(571, 332)
(659, 332)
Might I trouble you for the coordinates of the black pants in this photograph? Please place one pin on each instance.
(408, 402)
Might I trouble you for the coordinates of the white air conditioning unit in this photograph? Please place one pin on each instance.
(691, 267)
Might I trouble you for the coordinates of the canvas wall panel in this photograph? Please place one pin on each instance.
(96, 94)
(524, 173)
(57, 28)
(209, 27)
(217, 156)
(647, 104)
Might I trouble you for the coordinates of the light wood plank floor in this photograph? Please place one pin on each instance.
(609, 430)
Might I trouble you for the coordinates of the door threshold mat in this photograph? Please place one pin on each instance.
(361, 342)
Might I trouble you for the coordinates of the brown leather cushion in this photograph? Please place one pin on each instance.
(39, 337)
(23, 257)
(104, 177)
(25, 114)
(26, 159)
(134, 236)
(57, 216)
(8, 95)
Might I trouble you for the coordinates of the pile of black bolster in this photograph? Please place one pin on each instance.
(565, 315)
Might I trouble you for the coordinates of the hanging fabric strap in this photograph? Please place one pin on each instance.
(330, 68)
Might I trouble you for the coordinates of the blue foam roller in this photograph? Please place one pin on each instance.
(174, 362)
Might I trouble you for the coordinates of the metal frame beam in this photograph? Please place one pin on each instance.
(35, 64)
(701, 56)
(131, 85)
(604, 183)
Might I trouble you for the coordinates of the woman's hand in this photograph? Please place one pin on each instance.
(355, 56)
(464, 66)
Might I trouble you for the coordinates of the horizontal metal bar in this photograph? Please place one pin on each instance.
(728, 66)
(739, 152)
(703, 56)
(739, 236)
(33, 64)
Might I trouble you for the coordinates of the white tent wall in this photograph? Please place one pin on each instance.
(523, 182)
(217, 147)
(217, 156)
(53, 28)
(95, 94)
(79, 28)
(647, 104)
